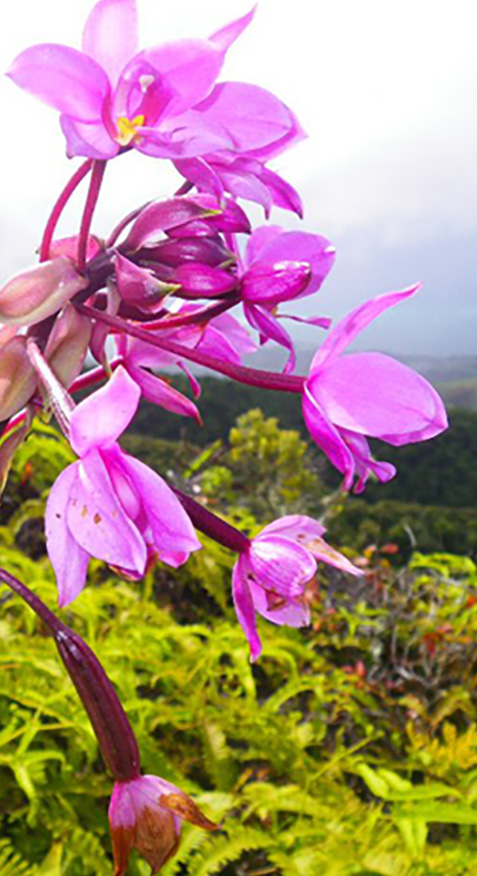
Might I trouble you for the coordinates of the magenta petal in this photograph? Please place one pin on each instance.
(199, 172)
(283, 194)
(375, 395)
(191, 67)
(353, 323)
(252, 116)
(216, 344)
(98, 520)
(280, 565)
(242, 182)
(204, 281)
(244, 607)
(300, 246)
(110, 35)
(136, 284)
(161, 216)
(64, 78)
(188, 135)
(269, 327)
(327, 436)
(235, 333)
(99, 420)
(227, 35)
(270, 283)
(294, 613)
(323, 322)
(157, 391)
(89, 140)
(173, 535)
(365, 463)
(68, 558)
(259, 239)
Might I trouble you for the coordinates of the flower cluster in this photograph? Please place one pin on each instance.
(180, 280)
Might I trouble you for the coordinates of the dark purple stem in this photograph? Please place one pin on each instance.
(213, 526)
(240, 373)
(92, 198)
(110, 723)
(68, 190)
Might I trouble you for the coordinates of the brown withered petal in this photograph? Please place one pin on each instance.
(157, 838)
(123, 842)
(184, 806)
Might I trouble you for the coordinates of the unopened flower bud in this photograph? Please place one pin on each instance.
(17, 375)
(68, 344)
(39, 292)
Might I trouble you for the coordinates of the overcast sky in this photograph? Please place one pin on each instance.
(387, 93)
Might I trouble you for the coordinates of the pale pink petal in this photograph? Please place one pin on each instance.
(226, 36)
(98, 520)
(351, 325)
(173, 535)
(89, 140)
(327, 437)
(375, 395)
(110, 35)
(281, 565)
(99, 420)
(242, 181)
(294, 613)
(64, 78)
(252, 116)
(365, 464)
(68, 558)
(159, 392)
(323, 322)
(216, 344)
(235, 332)
(295, 526)
(188, 135)
(190, 66)
(244, 606)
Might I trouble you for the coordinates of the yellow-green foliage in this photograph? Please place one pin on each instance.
(349, 748)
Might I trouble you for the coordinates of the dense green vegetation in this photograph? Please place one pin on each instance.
(349, 748)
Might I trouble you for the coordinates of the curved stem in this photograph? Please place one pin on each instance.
(92, 199)
(58, 208)
(213, 526)
(52, 622)
(116, 232)
(240, 373)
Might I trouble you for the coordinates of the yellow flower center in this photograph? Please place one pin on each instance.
(127, 129)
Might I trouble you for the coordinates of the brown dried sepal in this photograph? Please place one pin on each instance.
(154, 836)
(184, 807)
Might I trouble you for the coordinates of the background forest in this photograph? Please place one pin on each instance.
(349, 748)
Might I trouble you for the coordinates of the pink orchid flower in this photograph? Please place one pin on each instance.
(367, 394)
(272, 574)
(163, 101)
(282, 266)
(109, 505)
(146, 814)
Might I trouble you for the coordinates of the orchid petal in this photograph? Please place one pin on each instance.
(163, 216)
(110, 35)
(353, 323)
(216, 344)
(226, 36)
(68, 558)
(159, 392)
(252, 116)
(271, 283)
(365, 463)
(90, 140)
(244, 606)
(263, 321)
(293, 613)
(173, 535)
(375, 395)
(204, 281)
(98, 520)
(323, 322)
(188, 135)
(99, 420)
(327, 437)
(283, 194)
(300, 246)
(199, 172)
(259, 239)
(281, 565)
(190, 67)
(298, 527)
(64, 78)
(235, 333)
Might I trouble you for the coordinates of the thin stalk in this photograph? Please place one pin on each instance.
(58, 208)
(97, 175)
(199, 316)
(109, 720)
(213, 526)
(116, 232)
(240, 373)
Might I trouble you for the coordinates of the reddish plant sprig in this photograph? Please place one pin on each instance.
(60, 205)
(97, 175)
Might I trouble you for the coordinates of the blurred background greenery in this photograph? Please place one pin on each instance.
(349, 748)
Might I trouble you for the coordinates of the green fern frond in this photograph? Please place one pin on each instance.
(219, 851)
(12, 863)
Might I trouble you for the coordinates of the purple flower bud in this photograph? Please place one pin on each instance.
(68, 344)
(39, 292)
(208, 250)
(201, 281)
(138, 285)
(164, 216)
(229, 219)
